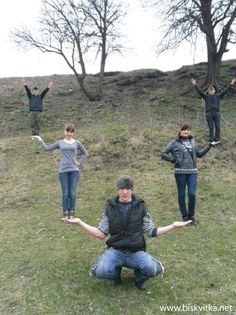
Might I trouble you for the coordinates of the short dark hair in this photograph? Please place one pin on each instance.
(125, 181)
(185, 127)
(69, 127)
(35, 88)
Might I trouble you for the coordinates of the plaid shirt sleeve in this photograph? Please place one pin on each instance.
(103, 225)
(148, 226)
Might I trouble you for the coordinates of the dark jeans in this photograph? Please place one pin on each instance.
(35, 122)
(189, 180)
(69, 181)
(213, 121)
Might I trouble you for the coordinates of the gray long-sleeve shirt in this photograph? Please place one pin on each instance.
(68, 154)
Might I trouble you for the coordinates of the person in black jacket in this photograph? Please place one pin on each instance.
(35, 105)
(212, 104)
(183, 153)
(126, 219)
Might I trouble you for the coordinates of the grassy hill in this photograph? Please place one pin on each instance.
(44, 263)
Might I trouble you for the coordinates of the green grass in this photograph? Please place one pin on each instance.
(44, 263)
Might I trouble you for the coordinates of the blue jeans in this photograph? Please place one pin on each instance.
(189, 180)
(69, 181)
(109, 265)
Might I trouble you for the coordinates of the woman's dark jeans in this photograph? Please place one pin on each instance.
(189, 180)
(69, 181)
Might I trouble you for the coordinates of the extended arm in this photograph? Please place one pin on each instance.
(201, 152)
(95, 232)
(173, 226)
(45, 146)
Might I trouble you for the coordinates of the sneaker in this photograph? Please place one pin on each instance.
(64, 218)
(162, 267)
(140, 284)
(71, 215)
(194, 222)
(91, 274)
(185, 219)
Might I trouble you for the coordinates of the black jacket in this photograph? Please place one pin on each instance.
(35, 101)
(185, 162)
(129, 236)
(212, 102)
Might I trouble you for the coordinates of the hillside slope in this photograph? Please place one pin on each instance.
(148, 95)
(45, 263)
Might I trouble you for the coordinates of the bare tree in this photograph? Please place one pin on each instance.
(77, 30)
(186, 20)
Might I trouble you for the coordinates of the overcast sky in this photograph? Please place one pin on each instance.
(140, 27)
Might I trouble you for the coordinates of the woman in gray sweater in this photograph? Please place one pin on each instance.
(68, 167)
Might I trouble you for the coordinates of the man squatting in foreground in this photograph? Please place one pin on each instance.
(126, 220)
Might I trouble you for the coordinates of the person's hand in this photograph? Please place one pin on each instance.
(74, 220)
(214, 143)
(175, 162)
(50, 84)
(233, 81)
(23, 81)
(179, 224)
(36, 138)
(193, 81)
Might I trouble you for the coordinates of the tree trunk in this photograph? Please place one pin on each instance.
(86, 92)
(102, 67)
(213, 69)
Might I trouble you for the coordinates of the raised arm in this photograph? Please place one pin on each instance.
(200, 92)
(50, 84)
(193, 81)
(94, 231)
(42, 95)
(233, 81)
(225, 90)
(28, 92)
